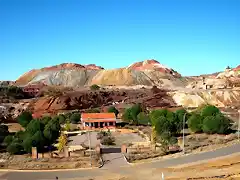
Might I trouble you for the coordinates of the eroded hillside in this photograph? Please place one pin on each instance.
(148, 73)
(218, 97)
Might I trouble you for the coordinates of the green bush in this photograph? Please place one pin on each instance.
(75, 118)
(94, 87)
(216, 124)
(24, 118)
(195, 123)
(114, 110)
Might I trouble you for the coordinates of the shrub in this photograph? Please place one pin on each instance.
(94, 110)
(24, 118)
(195, 123)
(94, 87)
(216, 124)
(75, 118)
(112, 109)
(14, 148)
(108, 140)
(102, 134)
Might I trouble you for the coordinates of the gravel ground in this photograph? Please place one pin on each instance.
(126, 138)
(83, 139)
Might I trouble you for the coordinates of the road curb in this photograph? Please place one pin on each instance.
(102, 162)
(127, 160)
(41, 170)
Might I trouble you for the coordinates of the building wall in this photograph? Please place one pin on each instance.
(91, 125)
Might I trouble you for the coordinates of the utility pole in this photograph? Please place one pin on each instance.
(238, 123)
(89, 140)
(183, 141)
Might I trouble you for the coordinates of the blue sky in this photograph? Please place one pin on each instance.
(191, 36)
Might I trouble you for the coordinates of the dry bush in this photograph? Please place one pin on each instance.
(54, 91)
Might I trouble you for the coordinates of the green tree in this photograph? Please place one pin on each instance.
(51, 131)
(38, 140)
(162, 125)
(34, 126)
(54, 124)
(62, 119)
(46, 119)
(126, 116)
(143, 118)
(75, 118)
(94, 87)
(114, 110)
(195, 123)
(27, 144)
(216, 124)
(209, 110)
(157, 113)
(8, 140)
(179, 115)
(3, 132)
(135, 110)
(14, 148)
(24, 118)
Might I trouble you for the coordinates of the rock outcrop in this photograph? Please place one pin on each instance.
(149, 72)
(83, 100)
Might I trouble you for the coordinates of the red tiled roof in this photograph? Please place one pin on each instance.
(98, 116)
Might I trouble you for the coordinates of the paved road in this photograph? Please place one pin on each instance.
(114, 160)
(121, 170)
